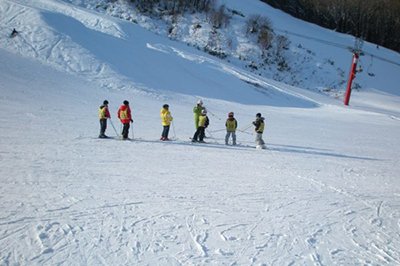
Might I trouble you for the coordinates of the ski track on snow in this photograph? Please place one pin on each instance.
(316, 196)
(374, 222)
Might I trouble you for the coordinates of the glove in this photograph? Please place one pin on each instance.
(131, 120)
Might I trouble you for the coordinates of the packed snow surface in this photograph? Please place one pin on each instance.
(325, 192)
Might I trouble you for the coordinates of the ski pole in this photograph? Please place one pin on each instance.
(213, 114)
(133, 136)
(210, 134)
(218, 130)
(246, 127)
(244, 132)
(114, 128)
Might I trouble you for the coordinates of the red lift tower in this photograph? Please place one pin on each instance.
(357, 52)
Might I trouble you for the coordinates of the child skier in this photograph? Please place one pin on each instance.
(203, 124)
(231, 125)
(259, 128)
(124, 114)
(166, 120)
(104, 114)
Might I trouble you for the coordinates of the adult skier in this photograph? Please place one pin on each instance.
(231, 125)
(259, 128)
(124, 114)
(104, 114)
(203, 124)
(197, 112)
(166, 120)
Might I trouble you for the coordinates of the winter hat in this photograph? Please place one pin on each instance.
(126, 102)
(258, 115)
(230, 114)
(166, 106)
(200, 102)
(105, 102)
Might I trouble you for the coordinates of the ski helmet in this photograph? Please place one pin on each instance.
(166, 106)
(258, 115)
(200, 102)
(204, 111)
(105, 102)
(230, 114)
(126, 102)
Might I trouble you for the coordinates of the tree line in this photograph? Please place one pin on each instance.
(216, 14)
(374, 21)
(174, 6)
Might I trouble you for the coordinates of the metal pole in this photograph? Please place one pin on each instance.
(351, 77)
(213, 114)
(245, 132)
(217, 130)
(133, 136)
(114, 128)
(210, 134)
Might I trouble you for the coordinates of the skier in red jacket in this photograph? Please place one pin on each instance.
(124, 114)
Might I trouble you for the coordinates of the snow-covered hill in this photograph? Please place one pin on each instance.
(326, 192)
(316, 58)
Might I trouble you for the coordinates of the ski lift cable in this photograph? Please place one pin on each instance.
(336, 45)
(361, 65)
(381, 58)
(315, 39)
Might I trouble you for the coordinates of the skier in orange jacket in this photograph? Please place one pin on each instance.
(124, 114)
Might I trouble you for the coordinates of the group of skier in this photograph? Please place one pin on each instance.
(200, 118)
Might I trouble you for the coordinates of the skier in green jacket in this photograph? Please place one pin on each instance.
(197, 112)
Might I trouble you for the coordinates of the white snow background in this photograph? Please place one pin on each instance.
(325, 192)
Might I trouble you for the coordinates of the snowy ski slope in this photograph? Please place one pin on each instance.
(325, 192)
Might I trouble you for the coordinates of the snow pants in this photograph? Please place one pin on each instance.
(259, 140)
(196, 121)
(165, 132)
(125, 131)
(103, 127)
(200, 133)
(227, 136)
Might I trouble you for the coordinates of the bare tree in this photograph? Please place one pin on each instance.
(219, 18)
(256, 23)
(282, 43)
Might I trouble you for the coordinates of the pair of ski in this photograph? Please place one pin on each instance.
(117, 138)
(189, 142)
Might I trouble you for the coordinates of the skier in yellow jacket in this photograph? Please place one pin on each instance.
(166, 120)
(231, 125)
(259, 129)
(104, 114)
(203, 124)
